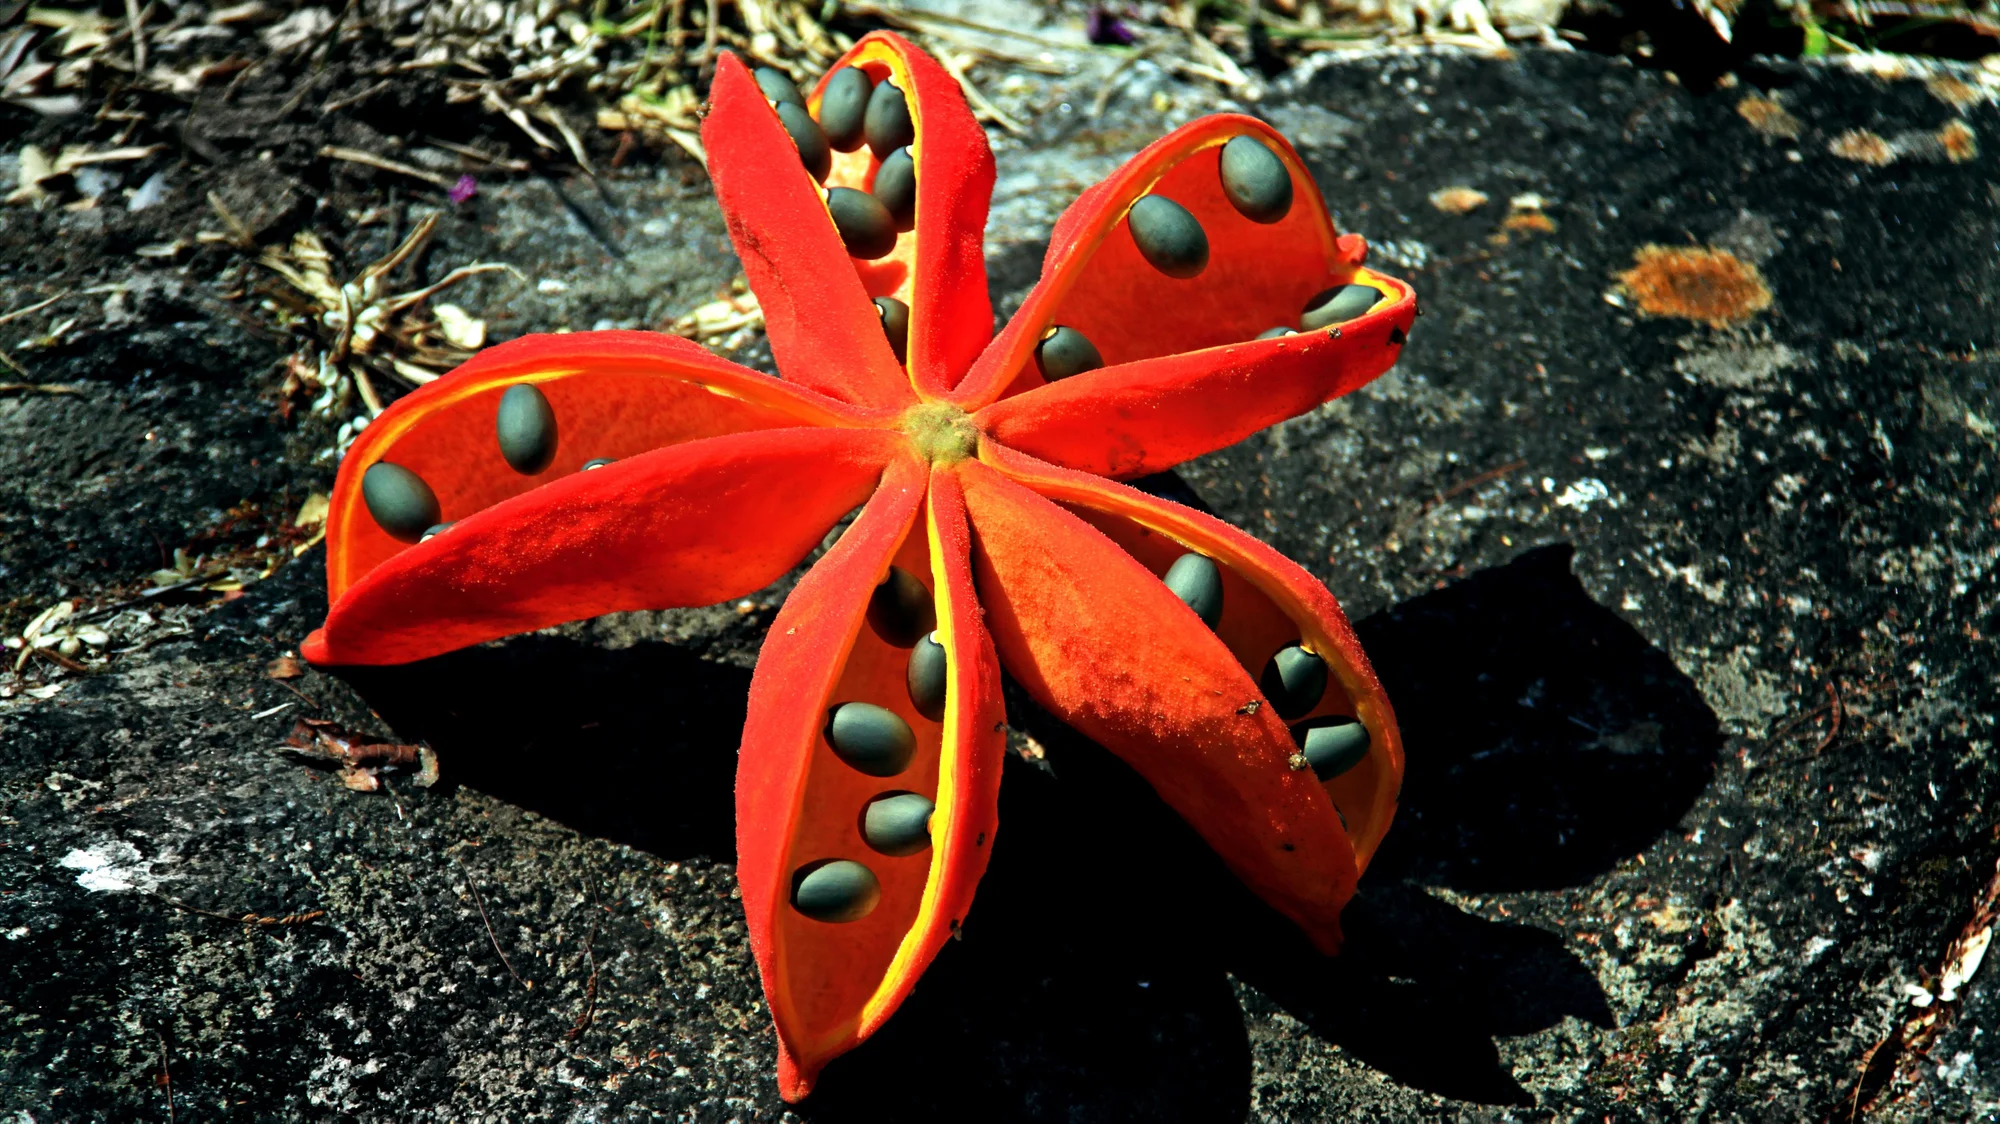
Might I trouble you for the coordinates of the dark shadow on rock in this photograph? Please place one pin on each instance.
(635, 745)
(1545, 739)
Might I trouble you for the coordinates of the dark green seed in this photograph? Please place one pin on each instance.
(898, 823)
(888, 126)
(844, 106)
(1337, 306)
(928, 665)
(1169, 236)
(433, 532)
(1065, 352)
(1275, 333)
(402, 504)
(863, 222)
(1332, 745)
(1257, 182)
(1294, 681)
(835, 890)
(901, 609)
(806, 134)
(779, 87)
(895, 324)
(896, 188)
(598, 463)
(526, 425)
(1198, 581)
(872, 739)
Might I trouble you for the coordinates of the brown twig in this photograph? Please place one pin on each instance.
(1832, 701)
(490, 934)
(36, 387)
(246, 919)
(1469, 484)
(166, 1074)
(589, 989)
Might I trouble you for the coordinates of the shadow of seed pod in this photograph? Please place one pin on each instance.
(895, 188)
(1294, 680)
(927, 677)
(1169, 236)
(1064, 352)
(1257, 183)
(898, 823)
(864, 224)
(900, 609)
(888, 126)
(1196, 580)
(779, 87)
(895, 324)
(1339, 305)
(526, 428)
(871, 739)
(806, 134)
(1332, 745)
(844, 106)
(399, 501)
(835, 890)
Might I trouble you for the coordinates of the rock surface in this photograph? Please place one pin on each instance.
(1688, 625)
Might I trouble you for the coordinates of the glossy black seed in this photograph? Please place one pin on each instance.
(779, 87)
(863, 222)
(1197, 580)
(844, 107)
(887, 125)
(402, 504)
(896, 188)
(901, 609)
(1294, 681)
(1065, 352)
(526, 426)
(835, 890)
(874, 740)
(1274, 333)
(433, 532)
(898, 823)
(1337, 306)
(805, 131)
(928, 665)
(895, 324)
(598, 463)
(1257, 182)
(1332, 745)
(1169, 236)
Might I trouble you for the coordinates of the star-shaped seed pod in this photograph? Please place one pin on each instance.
(1196, 296)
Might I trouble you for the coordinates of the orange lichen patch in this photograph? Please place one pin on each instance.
(1698, 284)
(1768, 117)
(1863, 146)
(1529, 222)
(1458, 200)
(1958, 142)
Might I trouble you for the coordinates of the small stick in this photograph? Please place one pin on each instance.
(35, 307)
(1833, 700)
(34, 387)
(490, 934)
(359, 156)
(166, 1074)
(136, 19)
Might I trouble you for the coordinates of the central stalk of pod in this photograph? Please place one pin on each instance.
(942, 433)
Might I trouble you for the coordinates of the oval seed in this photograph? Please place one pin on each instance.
(888, 126)
(1337, 306)
(835, 890)
(895, 324)
(872, 739)
(402, 504)
(1064, 352)
(806, 135)
(598, 463)
(1294, 681)
(843, 107)
(1197, 580)
(901, 608)
(1169, 236)
(863, 222)
(927, 677)
(898, 823)
(779, 87)
(896, 188)
(1258, 184)
(433, 532)
(526, 426)
(1276, 333)
(1332, 746)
